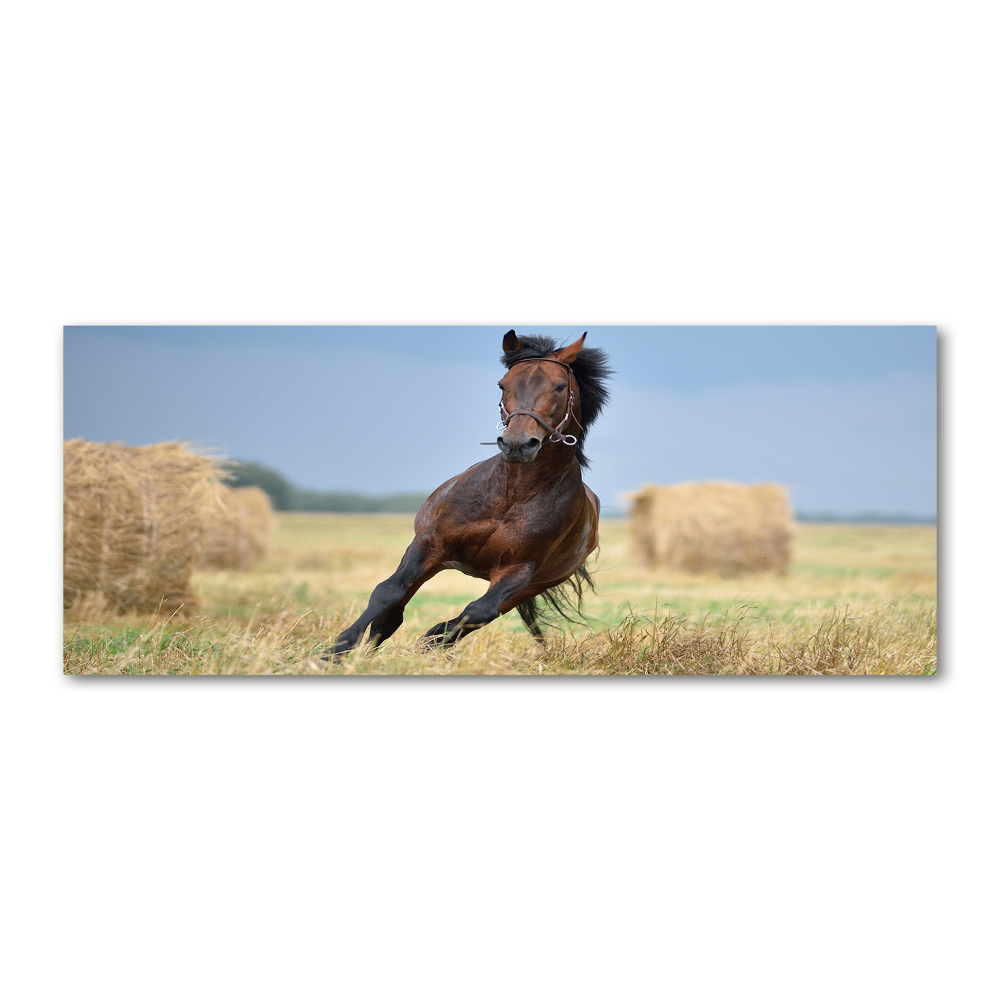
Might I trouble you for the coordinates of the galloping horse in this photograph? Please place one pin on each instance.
(524, 519)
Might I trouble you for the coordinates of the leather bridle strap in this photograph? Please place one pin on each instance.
(554, 432)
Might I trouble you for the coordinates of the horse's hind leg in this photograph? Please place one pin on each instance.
(529, 615)
(506, 593)
(385, 607)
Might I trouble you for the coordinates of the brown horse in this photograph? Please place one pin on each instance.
(524, 519)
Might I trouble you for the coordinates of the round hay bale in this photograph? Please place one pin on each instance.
(239, 533)
(134, 520)
(728, 529)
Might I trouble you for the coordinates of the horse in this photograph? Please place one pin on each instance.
(524, 519)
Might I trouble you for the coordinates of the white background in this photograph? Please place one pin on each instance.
(530, 162)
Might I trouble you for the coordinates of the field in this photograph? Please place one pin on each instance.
(860, 599)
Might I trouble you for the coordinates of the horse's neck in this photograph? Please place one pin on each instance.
(551, 471)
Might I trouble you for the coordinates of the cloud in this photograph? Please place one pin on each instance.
(351, 413)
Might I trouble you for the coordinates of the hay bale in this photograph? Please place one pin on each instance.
(134, 520)
(729, 529)
(240, 530)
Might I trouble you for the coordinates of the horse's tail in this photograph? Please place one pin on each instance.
(562, 601)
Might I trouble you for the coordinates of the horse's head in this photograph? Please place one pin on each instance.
(541, 400)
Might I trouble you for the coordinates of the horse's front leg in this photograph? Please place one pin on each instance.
(385, 607)
(508, 588)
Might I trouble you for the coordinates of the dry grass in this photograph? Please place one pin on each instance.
(726, 529)
(133, 524)
(857, 600)
(239, 533)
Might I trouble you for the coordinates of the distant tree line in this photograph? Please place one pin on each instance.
(286, 496)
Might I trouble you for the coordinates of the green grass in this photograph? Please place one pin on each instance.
(859, 599)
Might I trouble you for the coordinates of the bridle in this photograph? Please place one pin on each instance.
(555, 433)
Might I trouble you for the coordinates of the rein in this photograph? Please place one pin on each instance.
(555, 433)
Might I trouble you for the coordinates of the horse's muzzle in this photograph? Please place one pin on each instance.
(519, 452)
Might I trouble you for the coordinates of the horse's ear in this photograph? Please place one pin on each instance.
(567, 355)
(510, 342)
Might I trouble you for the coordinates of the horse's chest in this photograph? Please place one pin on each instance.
(466, 569)
(482, 550)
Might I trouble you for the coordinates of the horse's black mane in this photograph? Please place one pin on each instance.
(592, 373)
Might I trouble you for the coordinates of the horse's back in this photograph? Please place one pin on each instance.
(594, 503)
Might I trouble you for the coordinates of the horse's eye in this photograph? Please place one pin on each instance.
(559, 388)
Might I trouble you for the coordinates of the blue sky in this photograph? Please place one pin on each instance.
(845, 416)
